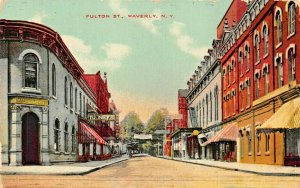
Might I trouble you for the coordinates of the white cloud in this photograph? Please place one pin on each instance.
(113, 54)
(38, 17)
(186, 43)
(148, 24)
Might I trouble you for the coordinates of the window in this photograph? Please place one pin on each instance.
(84, 105)
(73, 139)
(249, 142)
(240, 60)
(247, 56)
(233, 70)
(53, 80)
(210, 100)
(257, 88)
(248, 96)
(216, 104)
(31, 67)
(66, 91)
(256, 47)
(279, 27)
(200, 121)
(56, 135)
(258, 142)
(206, 109)
(66, 135)
(266, 80)
(265, 38)
(71, 95)
(291, 18)
(203, 111)
(267, 142)
(80, 104)
(228, 75)
(291, 65)
(75, 99)
(279, 71)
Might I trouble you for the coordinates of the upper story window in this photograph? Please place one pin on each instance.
(265, 39)
(216, 103)
(75, 99)
(80, 103)
(257, 86)
(53, 80)
(279, 66)
(278, 23)
(291, 18)
(247, 56)
(240, 60)
(31, 70)
(71, 95)
(291, 65)
(66, 91)
(266, 76)
(256, 47)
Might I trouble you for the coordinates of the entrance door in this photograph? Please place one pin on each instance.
(30, 139)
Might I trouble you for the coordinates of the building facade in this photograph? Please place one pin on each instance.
(259, 57)
(44, 96)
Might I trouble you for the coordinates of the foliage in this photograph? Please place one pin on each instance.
(130, 125)
(157, 120)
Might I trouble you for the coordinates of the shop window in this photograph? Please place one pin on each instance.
(53, 80)
(267, 142)
(73, 139)
(56, 135)
(66, 136)
(66, 91)
(249, 142)
(291, 65)
(291, 18)
(258, 143)
(279, 27)
(31, 70)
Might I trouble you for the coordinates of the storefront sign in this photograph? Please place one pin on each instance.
(143, 136)
(30, 101)
(102, 117)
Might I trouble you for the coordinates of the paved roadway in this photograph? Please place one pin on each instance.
(143, 172)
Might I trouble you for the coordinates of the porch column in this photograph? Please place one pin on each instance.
(45, 159)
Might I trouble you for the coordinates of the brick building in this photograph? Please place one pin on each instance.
(259, 56)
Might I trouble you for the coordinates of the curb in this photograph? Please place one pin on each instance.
(92, 169)
(236, 169)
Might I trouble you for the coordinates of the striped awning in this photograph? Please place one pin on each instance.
(228, 133)
(286, 117)
(93, 133)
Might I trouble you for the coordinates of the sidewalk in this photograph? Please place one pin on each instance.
(261, 169)
(61, 169)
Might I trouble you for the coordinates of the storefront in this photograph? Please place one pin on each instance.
(91, 146)
(285, 120)
(224, 143)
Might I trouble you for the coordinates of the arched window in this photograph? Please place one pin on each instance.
(66, 91)
(216, 103)
(71, 95)
(31, 70)
(291, 65)
(247, 56)
(279, 27)
(291, 18)
(256, 47)
(56, 135)
(53, 80)
(80, 103)
(240, 60)
(206, 108)
(210, 108)
(266, 40)
(73, 139)
(66, 135)
(280, 81)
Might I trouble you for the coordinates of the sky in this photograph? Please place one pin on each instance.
(146, 59)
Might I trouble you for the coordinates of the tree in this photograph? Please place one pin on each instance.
(130, 125)
(157, 120)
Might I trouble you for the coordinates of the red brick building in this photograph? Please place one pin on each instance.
(259, 56)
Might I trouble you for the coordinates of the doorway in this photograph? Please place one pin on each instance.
(30, 139)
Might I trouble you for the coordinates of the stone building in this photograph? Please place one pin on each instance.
(43, 98)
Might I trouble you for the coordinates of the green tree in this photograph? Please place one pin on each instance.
(130, 125)
(157, 120)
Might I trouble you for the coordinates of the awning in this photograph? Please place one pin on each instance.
(93, 133)
(286, 117)
(228, 133)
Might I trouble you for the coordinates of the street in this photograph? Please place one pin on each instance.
(153, 172)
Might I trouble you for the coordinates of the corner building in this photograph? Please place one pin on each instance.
(44, 98)
(260, 87)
